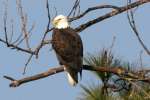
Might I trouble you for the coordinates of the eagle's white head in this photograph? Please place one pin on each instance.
(60, 22)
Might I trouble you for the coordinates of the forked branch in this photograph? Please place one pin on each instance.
(114, 12)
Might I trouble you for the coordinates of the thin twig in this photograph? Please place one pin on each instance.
(46, 32)
(26, 64)
(93, 9)
(22, 39)
(12, 31)
(130, 16)
(73, 10)
(56, 12)
(24, 23)
(48, 14)
(5, 22)
(113, 43)
(18, 38)
(12, 46)
(42, 43)
(29, 35)
(141, 60)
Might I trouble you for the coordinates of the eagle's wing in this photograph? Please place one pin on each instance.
(69, 50)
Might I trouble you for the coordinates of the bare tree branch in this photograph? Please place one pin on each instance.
(52, 71)
(12, 32)
(92, 9)
(12, 46)
(23, 17)
(74, 8)
(7, 41)
(130, 16)
(110, 14)
(46, 31)
(26, 64)
(5, 22)
(48, 14)
(115, 70)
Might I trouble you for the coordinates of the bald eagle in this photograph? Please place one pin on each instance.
(68, 47)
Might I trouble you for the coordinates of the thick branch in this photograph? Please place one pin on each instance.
(110, 14)
(52, 71)
(115, 70)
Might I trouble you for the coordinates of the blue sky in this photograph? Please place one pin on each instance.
(94, 39)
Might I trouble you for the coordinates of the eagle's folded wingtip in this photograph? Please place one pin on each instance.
(71, 80)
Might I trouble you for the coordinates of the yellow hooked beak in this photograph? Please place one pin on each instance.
(55, 22)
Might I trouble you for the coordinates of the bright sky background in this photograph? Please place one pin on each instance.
(94, 38)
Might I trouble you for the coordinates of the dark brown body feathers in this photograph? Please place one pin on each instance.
(69, 50)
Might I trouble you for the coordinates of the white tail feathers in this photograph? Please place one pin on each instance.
(72, 82)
